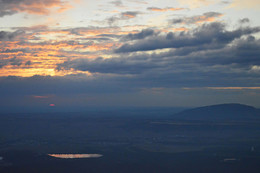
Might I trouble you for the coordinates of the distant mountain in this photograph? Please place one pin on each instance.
(229, 112)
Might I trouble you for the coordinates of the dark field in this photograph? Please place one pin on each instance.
(129, 142)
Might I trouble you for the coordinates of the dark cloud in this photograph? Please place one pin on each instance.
(183, 64)
(113, 19)
(117, 3)
(213, 33)
(225, 2)
(66, 85)
(11, 61)
(15, 61)
(209, 55)
(28, 63)
(129, 65)
(242, 54)
(130, 14)
(244, 20)
(6, 36)
(2, 63)
(206, 17)
(14, 50)
(141, 35)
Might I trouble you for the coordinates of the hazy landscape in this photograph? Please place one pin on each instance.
(133, 141)
(129, 86)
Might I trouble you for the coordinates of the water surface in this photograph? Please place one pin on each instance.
(75, 156)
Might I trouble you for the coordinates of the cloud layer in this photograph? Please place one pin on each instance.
(41, 7)
(209, 55)
(142, 49)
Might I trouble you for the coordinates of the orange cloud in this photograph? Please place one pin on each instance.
(39, 7)
(40, 49)
(206, 17)
(201, 19)
(164, 9)
(130, 14)
(27, 59)
(175, 29)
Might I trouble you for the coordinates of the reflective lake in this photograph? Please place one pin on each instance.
(75, 156)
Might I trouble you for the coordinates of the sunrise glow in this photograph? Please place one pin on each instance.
(85, 49)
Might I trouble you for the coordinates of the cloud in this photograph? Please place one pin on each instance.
(207, 34)
(244, 20)
(13, 50)
(222, 66)
(57, 85)
(164, 9)
(123, 16)
(140, 35)
(206, 17)
(2, 63)
(210, 55)
(28, 63)
(40, 7)
(129, 65)
(212, 67)
(16, 62)
(7, 36)
(206, 57)
(206, 63)
(117, 3)
(82, 31)
(11, 61)
(139, 1)
(40, 53)
(130, 14)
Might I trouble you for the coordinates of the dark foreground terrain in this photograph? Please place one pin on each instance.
(131, 141)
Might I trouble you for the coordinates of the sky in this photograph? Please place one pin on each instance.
(144, 53)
